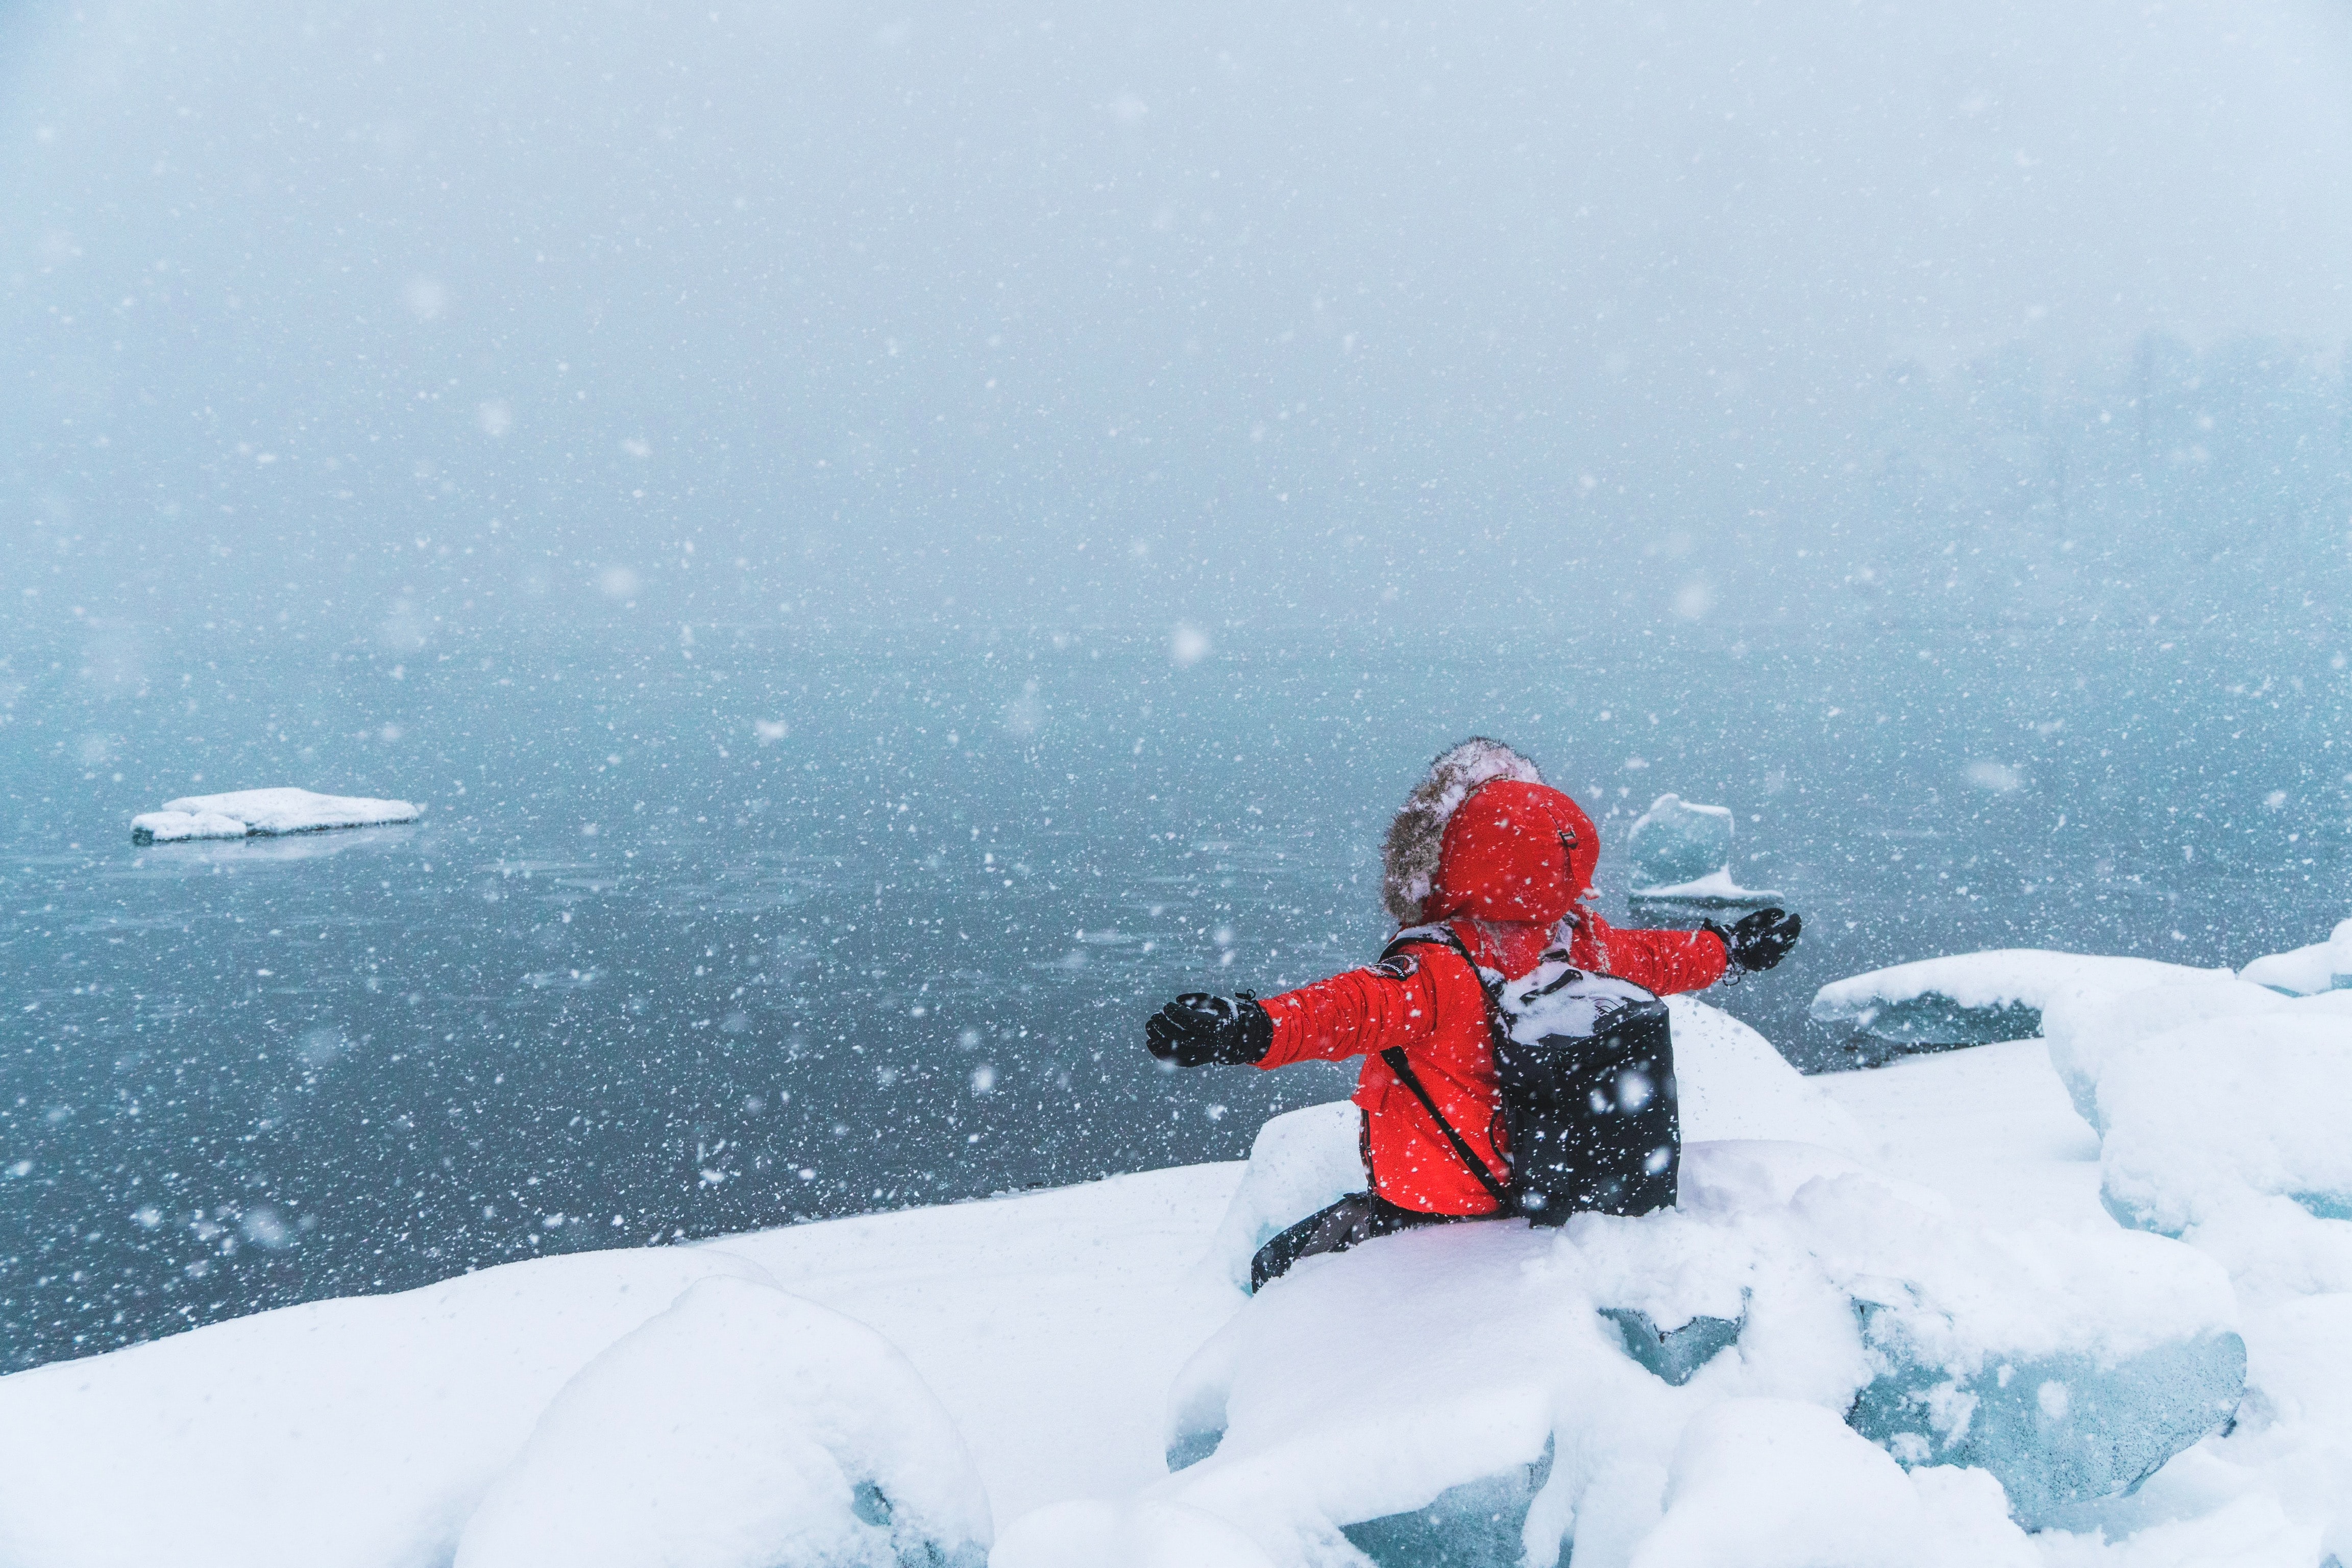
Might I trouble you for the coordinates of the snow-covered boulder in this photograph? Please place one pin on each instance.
(2307, 971)
(1976, 998)
(248, 813)
(1482, 1372)
(1732, 1084)
(743, 1428)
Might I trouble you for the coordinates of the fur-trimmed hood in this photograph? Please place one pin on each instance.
(1417, 835)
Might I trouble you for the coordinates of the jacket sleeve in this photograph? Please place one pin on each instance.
(1664, 961)
(1359, 1013)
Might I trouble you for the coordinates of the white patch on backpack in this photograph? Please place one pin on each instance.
(1557, 998)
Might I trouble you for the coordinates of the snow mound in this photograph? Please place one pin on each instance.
(1682, 853)
(1977, 998)
(742, 1428)
(1848, 1292)
(2307, 971)
(356, 1433)
(1731, 1081)
(2220, 1112)
(248, 811)
(2235, 1121)
(1778, 1483)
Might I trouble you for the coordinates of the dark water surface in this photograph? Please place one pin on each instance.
(753, 925)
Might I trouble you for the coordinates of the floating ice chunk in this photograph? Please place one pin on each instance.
(743, 1428)
(1682, 855)
(243, 813)
(1976, 998)
(174, 826)
(1675, 841)
(2307, 971)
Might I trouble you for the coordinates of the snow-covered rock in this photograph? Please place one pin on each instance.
(1976, 998)
(1682, 853)
(2307, 971)
(1731, 1081)
(742, 1428)
(1481, 1369)
(246, 813)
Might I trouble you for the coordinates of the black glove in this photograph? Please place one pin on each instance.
(1197, 1029)
(1758, 942)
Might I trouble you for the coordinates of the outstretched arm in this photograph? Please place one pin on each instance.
(1664, 961)
(1359, 1013)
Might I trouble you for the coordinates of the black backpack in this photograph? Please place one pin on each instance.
(1586, 1064)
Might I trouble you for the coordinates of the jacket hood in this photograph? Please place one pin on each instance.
(1483, 834)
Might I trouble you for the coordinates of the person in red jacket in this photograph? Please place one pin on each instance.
(1503, 862)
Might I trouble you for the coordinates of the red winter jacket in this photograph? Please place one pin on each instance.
(1515, 861)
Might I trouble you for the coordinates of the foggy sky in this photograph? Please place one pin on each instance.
(384, 319)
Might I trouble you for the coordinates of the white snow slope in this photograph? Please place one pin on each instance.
(908, 1387)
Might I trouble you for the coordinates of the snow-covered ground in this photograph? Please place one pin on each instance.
(1919, 1264)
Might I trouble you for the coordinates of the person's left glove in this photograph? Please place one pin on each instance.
(1756, 942)
(1198, 1030)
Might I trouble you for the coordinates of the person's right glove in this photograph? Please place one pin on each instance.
(1756, 942)
(1198, 1030)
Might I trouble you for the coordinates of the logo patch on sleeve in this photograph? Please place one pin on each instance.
(1398, 966)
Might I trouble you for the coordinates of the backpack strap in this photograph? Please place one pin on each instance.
(1395, 1058)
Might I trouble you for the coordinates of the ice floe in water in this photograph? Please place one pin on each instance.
(1682, 855)
(248, 813)
(1977, 998)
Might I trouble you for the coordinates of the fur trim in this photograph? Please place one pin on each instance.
(1409, 857)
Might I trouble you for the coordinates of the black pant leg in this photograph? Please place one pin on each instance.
(1355, 1220)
